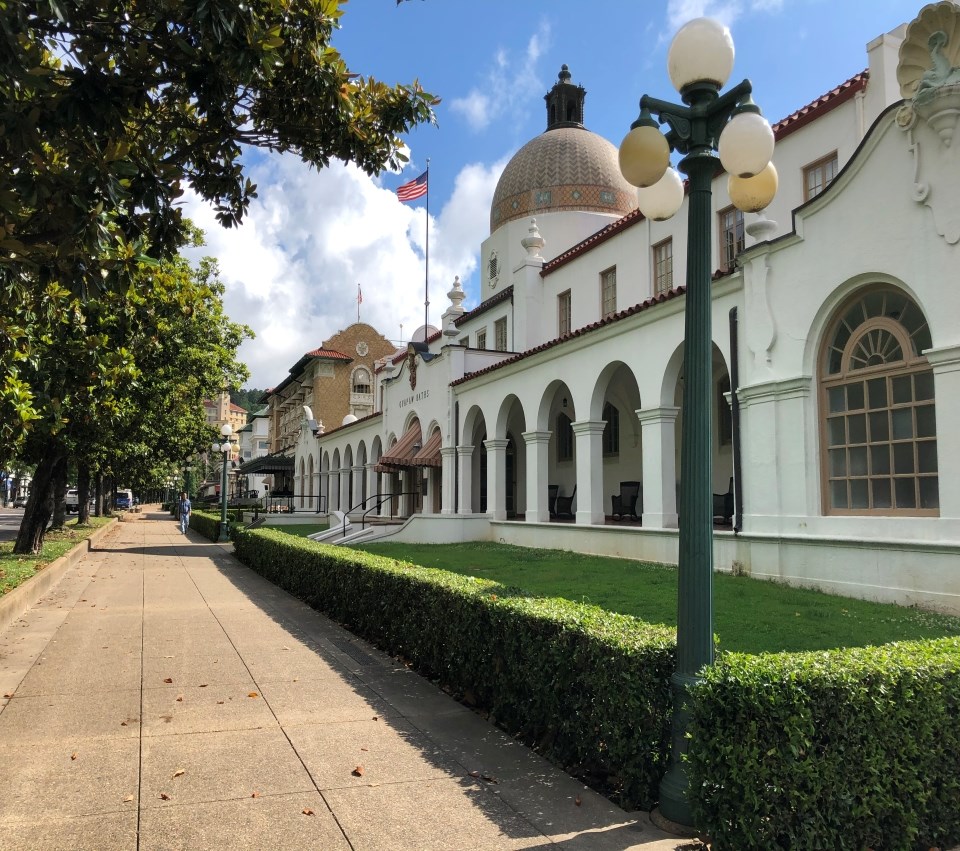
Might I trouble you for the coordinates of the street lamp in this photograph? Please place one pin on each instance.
(699, 61)
(225, 430)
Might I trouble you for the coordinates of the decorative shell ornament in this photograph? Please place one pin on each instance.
(930, 52)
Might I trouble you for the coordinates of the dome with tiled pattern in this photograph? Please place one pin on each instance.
(566, 168)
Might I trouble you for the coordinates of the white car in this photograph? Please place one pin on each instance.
(72, 501)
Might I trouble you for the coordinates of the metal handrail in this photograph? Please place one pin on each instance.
(363, 517)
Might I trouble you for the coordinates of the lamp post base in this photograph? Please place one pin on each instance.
(675, 785)
(224, 535)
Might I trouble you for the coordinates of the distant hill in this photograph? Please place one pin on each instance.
(248, 398)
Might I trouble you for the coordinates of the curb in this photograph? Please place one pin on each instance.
(16, 602)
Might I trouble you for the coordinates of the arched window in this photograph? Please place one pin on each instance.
(878, 419)
(611, 431)
(361, 381)
(564, 438)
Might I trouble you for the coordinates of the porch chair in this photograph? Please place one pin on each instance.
(552, 491)
(564, 504)
(624, 504)
(723, 506)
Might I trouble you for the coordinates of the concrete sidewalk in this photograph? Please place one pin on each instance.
(163, 696)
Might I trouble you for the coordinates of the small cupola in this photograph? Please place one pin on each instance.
(564, 102)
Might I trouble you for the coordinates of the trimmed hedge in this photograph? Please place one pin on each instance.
(588, 688)
(206, 523)
(846, 749)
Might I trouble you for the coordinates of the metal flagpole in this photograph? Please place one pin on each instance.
(426, 282)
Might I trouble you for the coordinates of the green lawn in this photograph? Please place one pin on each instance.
(750, 615)
(302, 530)
(16, 569)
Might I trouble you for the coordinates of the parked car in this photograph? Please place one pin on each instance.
(20, 501)
(72, 501)
(123, 499)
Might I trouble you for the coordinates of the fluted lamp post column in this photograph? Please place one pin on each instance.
(225, 431)
(706, 123)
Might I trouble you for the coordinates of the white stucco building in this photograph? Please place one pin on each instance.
(836, 354)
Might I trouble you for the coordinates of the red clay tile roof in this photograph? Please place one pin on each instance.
(503, 295)
(586, 329)
(820, 106)
(330, 354)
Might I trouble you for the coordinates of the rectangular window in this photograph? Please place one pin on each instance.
(818, 176)
(564, 438)
(663, 266)
(482, 339)
(731, 237)
(563, 313)
(608, 292)
(500, 334)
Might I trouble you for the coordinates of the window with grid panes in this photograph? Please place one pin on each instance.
(500, 334)
(611, 431)
(608, 292)
(481, 339)
(878, 410)
(663, 266)
(731, 237)
(564, 313)
(818, 176)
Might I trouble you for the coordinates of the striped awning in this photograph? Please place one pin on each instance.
(402, 452)
(429, 456)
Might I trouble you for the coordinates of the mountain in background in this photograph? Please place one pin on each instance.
(248, 398)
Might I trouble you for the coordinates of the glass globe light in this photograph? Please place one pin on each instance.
(701, 51)
(662, 200)
(215, 447)
(644, 156)
(746, 144)
(752, 194)
(226, 429)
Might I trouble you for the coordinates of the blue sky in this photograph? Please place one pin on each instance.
(293, 268)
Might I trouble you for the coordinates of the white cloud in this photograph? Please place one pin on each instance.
(291, 270)
(726, 11)
(508, 85)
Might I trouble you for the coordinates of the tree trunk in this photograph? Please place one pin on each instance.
(36, 515)
(59, 495)
(98, 504)
(83, 495)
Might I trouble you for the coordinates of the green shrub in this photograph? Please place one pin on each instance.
(206, 523)
(847, 749)
(588, 688)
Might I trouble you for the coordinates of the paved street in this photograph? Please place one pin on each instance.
(162, 696)
(10, 523)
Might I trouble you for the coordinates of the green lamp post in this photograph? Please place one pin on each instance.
(699, 61)
(225, 431)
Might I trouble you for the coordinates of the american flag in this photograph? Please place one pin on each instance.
(416, 188)
(359, 295)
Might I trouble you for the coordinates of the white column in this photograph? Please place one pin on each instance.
(358, 487)
(334, 477)
(448, 456)
(946, 388)
(538, 472)
(658, 437)
(386, 489)
(496, 477)
(324, 484)
(465, 480)
(371, 485)
(589, 437)
(345, 489)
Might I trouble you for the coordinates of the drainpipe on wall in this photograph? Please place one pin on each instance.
(735, 423)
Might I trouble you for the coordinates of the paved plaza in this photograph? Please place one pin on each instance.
(163, 696)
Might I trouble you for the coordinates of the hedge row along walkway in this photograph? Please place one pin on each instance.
(165, 696)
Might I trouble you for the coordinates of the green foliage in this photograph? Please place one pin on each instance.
(207, 523)
(843, 750)
(750, 615)
(247, 398)
(586, 687)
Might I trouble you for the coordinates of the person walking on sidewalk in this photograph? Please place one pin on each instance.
(184, 509)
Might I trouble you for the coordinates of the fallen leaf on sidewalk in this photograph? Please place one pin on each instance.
(255, 795)
(168, 680)
(577, 801)
(179, 772)
(164, 796)
(307, 811)
(202, 685)
(128, 799)
(358, 771)
(179, 698)
(489, 778)
(73, 755)
(8, 695)
(473, 773)
(219, 702)
(253, 694)
(123, 723)
(376, 717)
